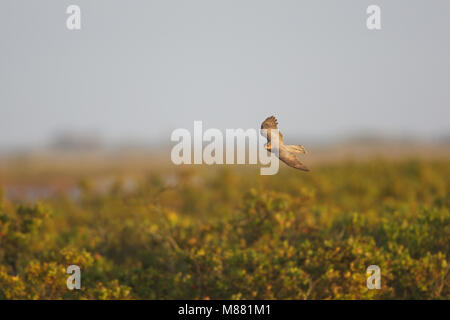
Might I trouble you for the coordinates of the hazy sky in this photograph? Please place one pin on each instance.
(139, 69)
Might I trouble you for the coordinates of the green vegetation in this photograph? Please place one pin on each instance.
(227, 233)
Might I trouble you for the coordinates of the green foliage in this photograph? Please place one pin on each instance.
(233, 234)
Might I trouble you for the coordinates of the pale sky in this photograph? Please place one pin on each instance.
(140, 69)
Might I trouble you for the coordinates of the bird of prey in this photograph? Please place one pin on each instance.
(286, 153)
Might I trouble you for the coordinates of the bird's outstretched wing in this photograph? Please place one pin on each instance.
(268, 124)
(290, 159)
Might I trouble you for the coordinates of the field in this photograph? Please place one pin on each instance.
(225, 232)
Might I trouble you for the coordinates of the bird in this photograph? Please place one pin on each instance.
(286, 153)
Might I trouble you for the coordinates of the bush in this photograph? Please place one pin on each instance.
(228, 234)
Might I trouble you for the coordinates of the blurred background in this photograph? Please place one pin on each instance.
(138, 70)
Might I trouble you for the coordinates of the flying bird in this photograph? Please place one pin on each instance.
(286, 153)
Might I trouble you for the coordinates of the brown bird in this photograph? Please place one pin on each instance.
(286, 153)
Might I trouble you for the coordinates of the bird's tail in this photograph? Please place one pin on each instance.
(296, 148)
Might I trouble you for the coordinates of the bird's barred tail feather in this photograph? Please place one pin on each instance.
(296, 148)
